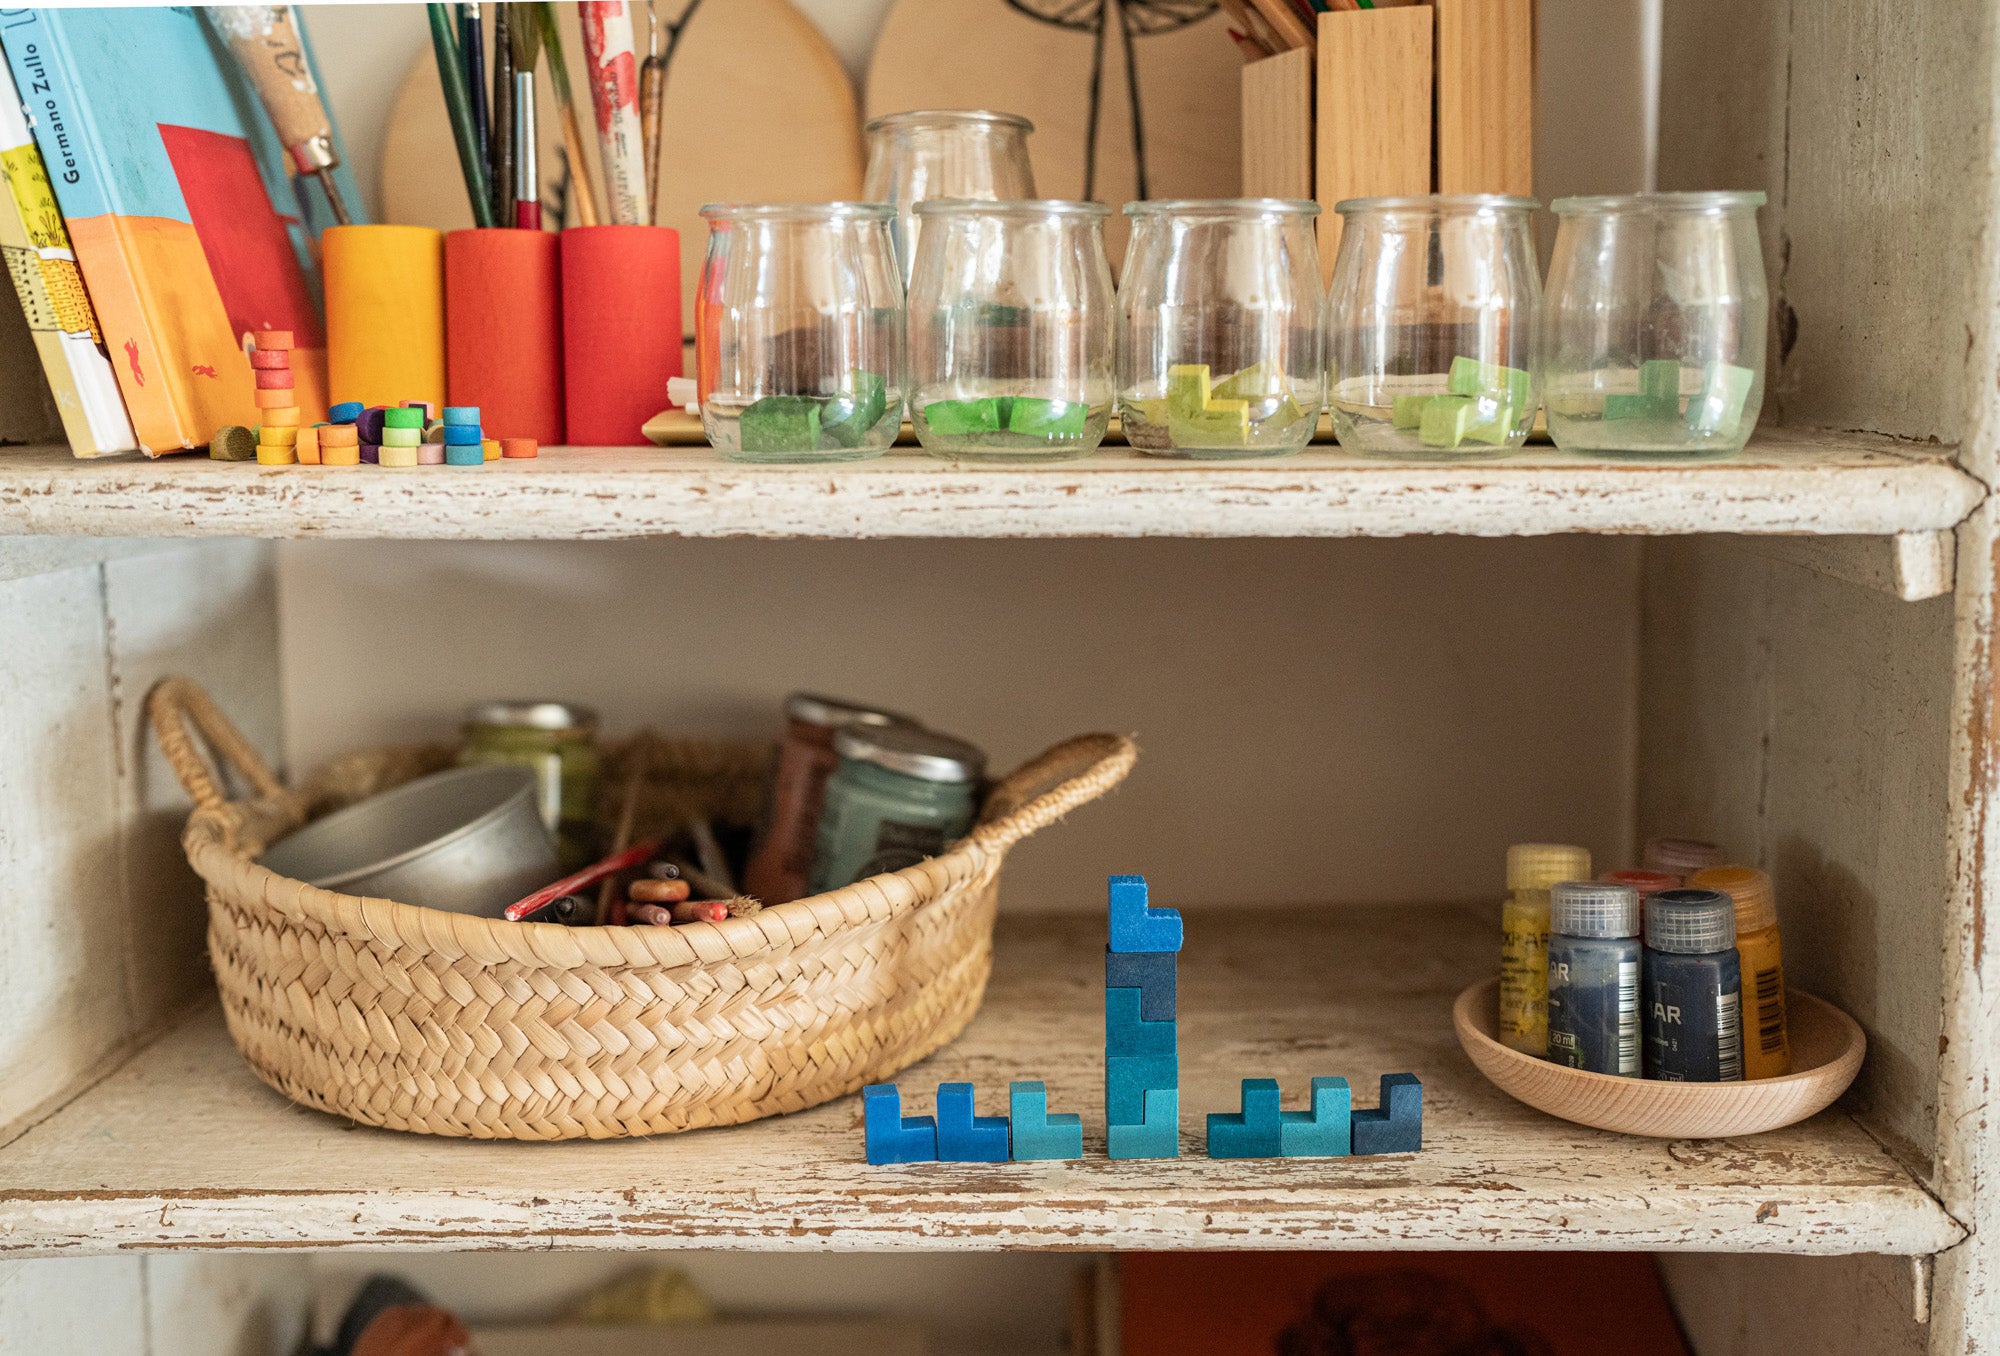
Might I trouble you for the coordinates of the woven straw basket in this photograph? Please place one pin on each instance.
(448, 1024)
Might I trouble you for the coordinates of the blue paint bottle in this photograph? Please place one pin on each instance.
(1693, 988)
(1594, 947)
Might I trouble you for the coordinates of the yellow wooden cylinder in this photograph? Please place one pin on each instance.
(384, 313)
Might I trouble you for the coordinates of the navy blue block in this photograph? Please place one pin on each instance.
(892, 1137)
(1135, 927)
(1127, 1035)
(1252, 1133)
(963, 1137)
(1153, 974)
(1397, 1126)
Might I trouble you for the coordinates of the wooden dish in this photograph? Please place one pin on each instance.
(1827, 1047)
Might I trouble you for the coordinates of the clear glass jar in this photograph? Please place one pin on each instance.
(1011, 313)
(944, 153)
(1435, 309)
(1656, 325)
(1221, 311)
(799, 332)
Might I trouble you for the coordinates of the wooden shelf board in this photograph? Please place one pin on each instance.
(183, 1148)
(1787, 481)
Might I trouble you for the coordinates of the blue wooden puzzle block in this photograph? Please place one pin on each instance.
(892, 1137)
(1251, 1133)
(1127, 1035)
(1397, 1126)
(1037, 1134)
(1152, 973)
(1128, 1080)
(1324, 1131)
(1157, 1136)
(1134, 926)
(963, 1137)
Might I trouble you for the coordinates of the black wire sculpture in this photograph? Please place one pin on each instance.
(1135, 19)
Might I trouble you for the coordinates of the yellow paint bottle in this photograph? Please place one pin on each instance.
(1767, 1048)
(1524, 939)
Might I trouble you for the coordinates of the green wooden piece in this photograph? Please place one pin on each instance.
(402, 416)
(1409, 410)
(1491, 422)
(233, 442)
(1188, 390)
(957, 418)
(780, 424)
(1725, 390)
(849, 417)
(1660, 381)
(1446, 420)
(1041, 418)
(1470, 377)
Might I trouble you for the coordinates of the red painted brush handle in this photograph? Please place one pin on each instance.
(590, 875)
(528, 215)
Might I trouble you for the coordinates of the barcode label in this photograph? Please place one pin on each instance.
(1770, 1010)
(1729, 1037)
(1628, 1018)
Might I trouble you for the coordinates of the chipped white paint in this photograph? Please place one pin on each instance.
(1787, 481)
(184, 1148)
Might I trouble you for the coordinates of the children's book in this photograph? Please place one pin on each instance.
(188, 228)
(43, 268)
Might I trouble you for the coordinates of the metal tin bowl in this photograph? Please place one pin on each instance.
(468, 840)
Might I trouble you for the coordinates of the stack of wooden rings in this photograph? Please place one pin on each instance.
(340, 441)
(277, 404)
(464, 441)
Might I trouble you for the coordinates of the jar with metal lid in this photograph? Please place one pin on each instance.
(901, 793)
(558, 740)
(781, 863)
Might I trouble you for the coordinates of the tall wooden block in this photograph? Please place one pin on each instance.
(1374, 131)
(1486, 96)
(1278, 126)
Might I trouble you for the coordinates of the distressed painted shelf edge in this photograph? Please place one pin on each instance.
(1786, 482)
(182, 1148)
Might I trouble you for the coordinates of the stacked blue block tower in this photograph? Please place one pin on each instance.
(1142, 1073)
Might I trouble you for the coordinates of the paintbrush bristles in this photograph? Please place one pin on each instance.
(524, 34)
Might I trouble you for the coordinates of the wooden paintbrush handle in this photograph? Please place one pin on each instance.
(1286, 21)
(265, 42)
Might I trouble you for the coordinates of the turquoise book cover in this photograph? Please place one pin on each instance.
(188, 228)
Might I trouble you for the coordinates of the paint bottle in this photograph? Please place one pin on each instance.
(1594, 951)
(1524, 939)
(1693, 988)
(1767, 1047)
(1647, 883)
(1680, 856)
(900, 794)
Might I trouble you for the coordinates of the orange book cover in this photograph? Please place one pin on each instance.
(1395, 1304)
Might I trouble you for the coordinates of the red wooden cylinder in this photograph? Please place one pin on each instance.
(621, 329)
(503, 330)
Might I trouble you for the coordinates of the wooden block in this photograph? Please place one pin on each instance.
(1374, 127)
(1253, 1132)
(1152, 974)
(1486, 96)
(892, 1137)
(1278, 126)
(963, 1137)
(1135, 924)
(1127, 1035)
(1036, 1134)
(1397, 1125)
(1157, 1136)
(1325, 1130)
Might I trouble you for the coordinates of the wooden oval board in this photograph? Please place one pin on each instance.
(758, 109)
(986, 54)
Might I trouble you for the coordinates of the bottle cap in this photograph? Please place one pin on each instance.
(815, 709)
(1537, 866)
(912, 751)
(1756, 902)
(1590, 908)
(1647, 883)
(1680, 856)
(533, 714)
(1691, 922)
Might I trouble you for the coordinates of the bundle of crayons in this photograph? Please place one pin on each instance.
(498, 150)
(1268, 27)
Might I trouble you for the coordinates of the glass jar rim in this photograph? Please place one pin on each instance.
(1222, 207)
(1432, 202)
(797, 211)
(1706, 200)
(1037, 207)
(948, 115)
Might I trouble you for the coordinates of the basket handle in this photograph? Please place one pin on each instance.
(173, 703)
(1044, 789)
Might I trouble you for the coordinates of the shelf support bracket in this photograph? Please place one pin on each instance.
(1920, 1283)
(1911, 566)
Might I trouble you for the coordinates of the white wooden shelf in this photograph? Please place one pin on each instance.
(182, 1147)
(1785, 482)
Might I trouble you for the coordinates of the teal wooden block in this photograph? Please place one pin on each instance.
(1157, 1136)
(892, 1137)
(1127, 1034)
(1128, 1080)
(1324, 1131)
(1395, 1127)
(1153, 974)
(963, 1137)
(1660, 382)
(1036, 1134)
(1252, 1132)
(1135, 924)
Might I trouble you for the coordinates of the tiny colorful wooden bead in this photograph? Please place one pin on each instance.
(464, 454)
(272, 338)
(490, 447)
(429, 409)
(403, 417)
(273, 398)
(339, 454)
(288, 416)
(371, 453)
(519, 447)
(272, 360)
(462, 414)
(278, 435)
(462, 434)
(346, 412)
(233, 442)
(307, 444)
(369, 421)
(392, 455)
(269, 454)
(339, 435)
(268, 380)
(401, 437)
(430, 454)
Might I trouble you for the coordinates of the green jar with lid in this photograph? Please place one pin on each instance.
(558, 740)
(900, 794)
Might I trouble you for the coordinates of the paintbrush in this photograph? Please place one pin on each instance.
(501, 147)
(524, 36)
(652, 102)
(610, 58)
(582, 192)
(458, 105)
(472, 51)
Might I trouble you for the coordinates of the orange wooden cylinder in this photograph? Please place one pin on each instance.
(621, 329)
(503, 330)
(384, 313)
